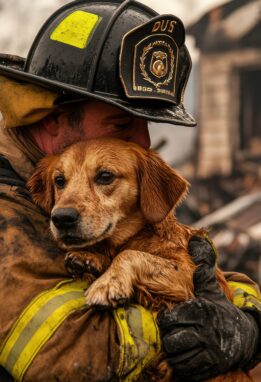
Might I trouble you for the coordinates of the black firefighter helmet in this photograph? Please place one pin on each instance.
(119, 52)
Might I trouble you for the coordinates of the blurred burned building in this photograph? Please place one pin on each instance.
(226, 195)
(229, 40)
(236, 231)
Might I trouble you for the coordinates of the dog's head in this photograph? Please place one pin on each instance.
(104, 188)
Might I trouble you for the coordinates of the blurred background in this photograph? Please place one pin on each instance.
(222, 156)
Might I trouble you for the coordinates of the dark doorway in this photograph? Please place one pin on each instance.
(250, 111)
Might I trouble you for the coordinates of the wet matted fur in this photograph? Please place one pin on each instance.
(123, 229)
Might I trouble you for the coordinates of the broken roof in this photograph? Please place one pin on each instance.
(232, 25)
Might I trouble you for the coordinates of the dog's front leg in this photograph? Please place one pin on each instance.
(115, 286)
(132, 270)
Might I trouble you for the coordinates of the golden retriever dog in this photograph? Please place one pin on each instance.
(112, 206)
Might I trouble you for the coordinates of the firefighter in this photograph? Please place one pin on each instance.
(101, 68)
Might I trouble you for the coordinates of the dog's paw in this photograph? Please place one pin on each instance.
(78, 263)
(109, 291)
(74, 264)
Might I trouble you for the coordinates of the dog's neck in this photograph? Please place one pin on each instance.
(127, 228)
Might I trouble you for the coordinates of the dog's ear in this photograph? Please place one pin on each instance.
(161, 188)
(40, 184)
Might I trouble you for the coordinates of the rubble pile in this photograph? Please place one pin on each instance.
(230, 208)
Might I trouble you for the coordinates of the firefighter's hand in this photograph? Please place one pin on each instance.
(207, 336)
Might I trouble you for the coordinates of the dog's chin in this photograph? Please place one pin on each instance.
(70, 242)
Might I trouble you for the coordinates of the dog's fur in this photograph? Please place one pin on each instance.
(126, 231)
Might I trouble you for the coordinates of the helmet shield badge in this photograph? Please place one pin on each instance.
(149, 59)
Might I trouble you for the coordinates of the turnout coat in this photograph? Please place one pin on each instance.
(88, 344)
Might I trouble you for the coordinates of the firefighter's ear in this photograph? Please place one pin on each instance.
(161, 187)
(40, 184)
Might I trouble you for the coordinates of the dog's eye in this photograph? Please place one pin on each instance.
(105, 178)
(59, 181)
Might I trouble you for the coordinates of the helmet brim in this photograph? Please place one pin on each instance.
(173, 114)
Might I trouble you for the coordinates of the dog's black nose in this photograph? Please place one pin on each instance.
(64, 218)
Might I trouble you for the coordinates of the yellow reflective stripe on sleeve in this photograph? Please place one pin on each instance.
(76, 29)
(31, 310)
(37, 324)
(128, 348)
(245, 296)
(139, 338)
(244, 287)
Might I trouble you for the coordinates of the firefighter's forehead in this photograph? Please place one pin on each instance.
(96, 108)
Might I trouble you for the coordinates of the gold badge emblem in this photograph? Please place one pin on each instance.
(161, 63)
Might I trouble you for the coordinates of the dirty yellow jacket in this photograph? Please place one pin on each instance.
(87, 345)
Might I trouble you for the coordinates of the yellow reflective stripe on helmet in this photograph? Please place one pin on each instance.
(139, 338)
(38, 323)
(245, 296)
(76, 29)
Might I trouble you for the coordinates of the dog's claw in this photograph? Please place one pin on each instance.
(89, 268)
(119, 300)
(74, 266)
(79, 267)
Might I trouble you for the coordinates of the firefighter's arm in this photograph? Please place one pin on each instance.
(210, 335)
(46, 331)
(124, 342)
